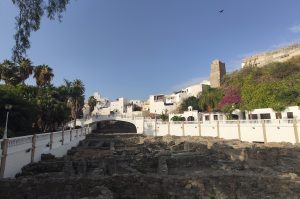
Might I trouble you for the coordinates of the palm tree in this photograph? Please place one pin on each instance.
(9, 73)
(75, 92)
(209, 99)
(43, 75)
(25, 69)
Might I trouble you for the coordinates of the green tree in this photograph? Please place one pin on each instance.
(190, 101)
(25, 68)
(22, 115)
(9, 73)
(29, 20)
(75, 97)
(209, 99)
(92, 103)
(52, 111)
(177, 118)
(43, 75)
(164, 117)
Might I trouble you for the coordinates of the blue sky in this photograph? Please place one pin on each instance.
(134, 48)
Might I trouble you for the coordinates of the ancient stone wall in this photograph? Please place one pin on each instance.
(217, 71)
(278, 55)
(106, 166)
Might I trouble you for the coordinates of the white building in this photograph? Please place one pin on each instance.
(195, 89)
(213, 116)
(119, 106)
(268, 113)
(102, 104)
(159, 104)
(189, 115)
(290, 112)
(138, 103)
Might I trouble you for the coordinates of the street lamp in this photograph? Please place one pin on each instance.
(7, 108)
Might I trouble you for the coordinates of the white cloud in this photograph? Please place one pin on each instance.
(295, 29)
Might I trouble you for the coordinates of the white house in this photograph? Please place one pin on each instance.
(189, 115)
(159, 104)
(119, 105)
(168, 103)
(213, 116)
(195, 89)
(101, 106)
(268, 113)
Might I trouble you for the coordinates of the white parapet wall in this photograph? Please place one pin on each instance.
(20, 151)
(274, 130)
(245, 130)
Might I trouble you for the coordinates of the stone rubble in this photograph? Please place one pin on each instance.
(136, 166)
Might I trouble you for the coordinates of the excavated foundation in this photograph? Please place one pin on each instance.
(136, 166)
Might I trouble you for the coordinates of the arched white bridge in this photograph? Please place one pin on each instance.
(138, 122)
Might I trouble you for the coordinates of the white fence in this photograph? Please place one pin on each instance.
(244, 130)
(20, 151)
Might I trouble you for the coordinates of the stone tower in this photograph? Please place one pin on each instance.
(217, 71)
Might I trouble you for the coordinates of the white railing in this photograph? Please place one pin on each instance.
(20, 151)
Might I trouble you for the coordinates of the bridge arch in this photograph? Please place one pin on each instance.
(114, 126)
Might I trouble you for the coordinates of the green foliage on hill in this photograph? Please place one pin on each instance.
(275, 85)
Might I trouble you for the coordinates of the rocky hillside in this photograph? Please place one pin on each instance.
(134, 166)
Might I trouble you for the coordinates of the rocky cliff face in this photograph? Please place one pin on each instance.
(135, 166)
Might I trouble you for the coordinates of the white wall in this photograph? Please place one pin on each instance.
(246, 130)
(19, 151)
(191, 129)
(162, 129)
(228, 130)
(176, 128)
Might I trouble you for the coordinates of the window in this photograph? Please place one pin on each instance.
(190, 118)
(265, 116)
(253, 116)
(290, 115)
(215, 117)
(207, 117)
(278, 116)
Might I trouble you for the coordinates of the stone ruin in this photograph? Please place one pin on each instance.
(135, 166)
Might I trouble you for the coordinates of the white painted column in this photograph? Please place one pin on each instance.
(296, 131)
(199, 128)
(264, 131)
(239, 129)
(155, 126)
(183, 133)
(218, 129)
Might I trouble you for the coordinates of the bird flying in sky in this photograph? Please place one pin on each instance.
(221, 11)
